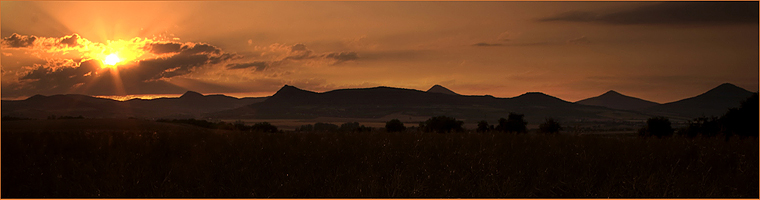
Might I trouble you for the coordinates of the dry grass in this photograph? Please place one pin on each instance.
(168, 162)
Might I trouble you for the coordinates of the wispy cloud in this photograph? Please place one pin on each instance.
(671, 13)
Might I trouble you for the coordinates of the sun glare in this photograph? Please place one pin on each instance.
(111, 59)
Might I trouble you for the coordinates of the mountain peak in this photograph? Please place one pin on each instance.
(615, 100)
(289, 89)
(612, 92)
(191, 94)
(538, 97)
(441, 89)
(726, 87)
(290, 93)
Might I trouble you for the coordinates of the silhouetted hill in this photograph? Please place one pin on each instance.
(190, 104)
(615, 100)
(538, 99)
(191, 95)
(291, 102)
(441, 89)
(714, 102)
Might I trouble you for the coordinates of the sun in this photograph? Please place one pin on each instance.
(111, 59)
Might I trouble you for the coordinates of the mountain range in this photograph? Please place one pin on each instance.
(294, 103)
(189, 105)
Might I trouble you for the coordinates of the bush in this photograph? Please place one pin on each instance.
(514, 123)
(306, 128)
(394, 125)
(708, 127)
(264, 127)
(325, 127)
(550, 126)
(354, 127)
(657, 126)
(443, 124)
(483, 127)
(742, 121)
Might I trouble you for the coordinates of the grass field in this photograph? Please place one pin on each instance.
(133, 158)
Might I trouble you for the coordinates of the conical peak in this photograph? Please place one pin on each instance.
(191, 94)
(727, 88)
(612, 92)
(288, 90)
(440, 89)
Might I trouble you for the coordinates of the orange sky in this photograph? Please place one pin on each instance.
(572, 50)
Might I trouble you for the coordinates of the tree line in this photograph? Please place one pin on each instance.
(741, 121)
(237, 125)
(514, 123)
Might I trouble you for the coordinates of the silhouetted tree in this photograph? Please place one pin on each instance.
(443, 124)
(483, 126)
(422, 127)
(394, 125)
(550, 126)
(240, 125)
(354, 127)
(349, 126)
(325, 127)
(657, 126)
(305, 128)
(514, 123)
(264, 127)
(742, 121)
(708, 127)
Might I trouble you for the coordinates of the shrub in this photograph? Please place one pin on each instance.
(443, 124)
(704, 126)
(354, 127)
(394, 125)
(657, 126)
(550, 126)
(483, 127)
(742, 121)
(307, 127)
(325, 127)
(264, 127)
(514, 123)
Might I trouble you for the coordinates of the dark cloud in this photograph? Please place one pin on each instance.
(176, 65)
(188, 57)
(342, 56)
(70, 40)
(200, 48)
(258, 65)
(299, 47)
(162, 48)
(86, 76)
(484, 44)
(672, 13)
(186, 48)
(18, 41)
(59, 76)
(299, 52)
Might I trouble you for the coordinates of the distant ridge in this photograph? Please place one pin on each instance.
(539, 98)
(190, 105)
(294, 103)
(441, 89)
(714, 102)
(615, 100)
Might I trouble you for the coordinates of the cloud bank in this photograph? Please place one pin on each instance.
(671, 13)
